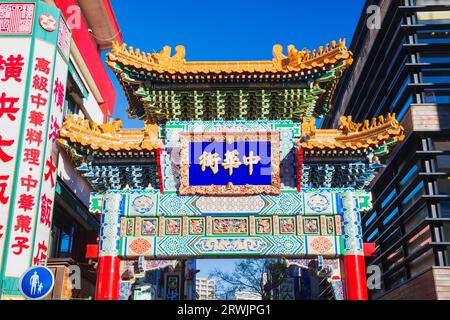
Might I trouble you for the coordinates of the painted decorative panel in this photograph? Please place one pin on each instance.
(287, 225)
(197, 226)
(308, 202)
(139, 246)
(311, 226)
(330, 223)
(149, 227)
(319, 203)
(227, 205)
(231, 246)
(142, 204)
(322, 246)
(230, 226)
(111, 223)
(351, 220)
(263, 225)
(172, 226)
(151, 203)
(219, 226)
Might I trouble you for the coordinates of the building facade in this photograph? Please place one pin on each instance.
(88, 92)
(90, 95)
(224, 172)
(205, 288)
(402, 65)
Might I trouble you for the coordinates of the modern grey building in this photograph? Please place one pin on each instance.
(402, 65)
(205, 288)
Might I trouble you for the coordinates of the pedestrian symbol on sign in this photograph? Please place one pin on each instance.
(36, 283)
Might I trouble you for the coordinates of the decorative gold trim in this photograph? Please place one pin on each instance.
(273, 189)
(294, 61)
(108, 137)
(351, 135)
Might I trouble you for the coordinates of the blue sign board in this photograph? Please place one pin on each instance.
(36, 283)
(241, 163)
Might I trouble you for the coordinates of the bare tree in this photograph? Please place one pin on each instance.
(259, 276)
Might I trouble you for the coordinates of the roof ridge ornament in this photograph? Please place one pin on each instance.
(300, 83)
(108, 137)
(352, 135)
(296, 60)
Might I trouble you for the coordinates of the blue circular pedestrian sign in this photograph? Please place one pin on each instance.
(36, 283)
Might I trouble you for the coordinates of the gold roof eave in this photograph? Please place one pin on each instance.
(108, 137)
(295, 62)
(352, 136)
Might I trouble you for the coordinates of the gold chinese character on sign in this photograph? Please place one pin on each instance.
(250, 161)
(210, 160)
(231, 161)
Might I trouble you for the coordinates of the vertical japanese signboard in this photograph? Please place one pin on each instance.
(34, 52)
(48, 177)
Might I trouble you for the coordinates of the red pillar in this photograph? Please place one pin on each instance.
(355, 277)
(108, 278)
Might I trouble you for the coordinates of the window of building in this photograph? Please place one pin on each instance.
(402, 101)
(429, 2)
(74, 99)
(435, 57)
(433, 36)
(62, 236)
(421, 263)
(443, 145)
(391, 216)
(372, 218)
(436, 75)
(432, 17)
(373, 235)
(443, 186)
(395, 258)
(443, 162)
(401, 162)
(391, 239)
(444, 209)
(408, 177)
(405, 84)
(71, 107)
(447, 232)
(388, 199)
(414, 221)
(418, 241)
(436, 96)
(396, 279)
(413, 196)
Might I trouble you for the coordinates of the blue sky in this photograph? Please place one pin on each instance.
(230, 30)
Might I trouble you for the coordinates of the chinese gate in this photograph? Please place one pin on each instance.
(230, 163)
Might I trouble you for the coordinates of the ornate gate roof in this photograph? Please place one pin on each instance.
(161, 87)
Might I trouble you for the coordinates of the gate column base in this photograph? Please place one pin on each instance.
(108, 278)
(355, 277)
